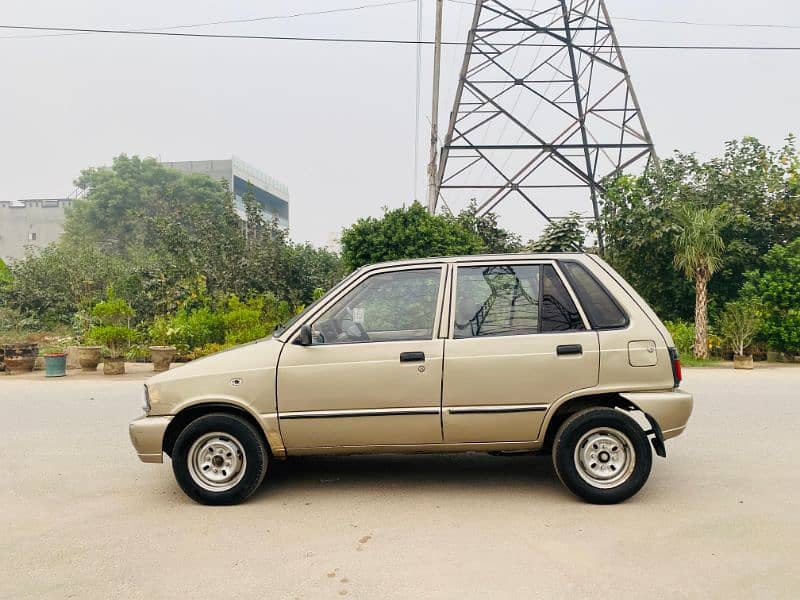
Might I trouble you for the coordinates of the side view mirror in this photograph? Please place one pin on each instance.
(304, 337)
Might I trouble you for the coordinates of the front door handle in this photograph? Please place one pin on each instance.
(569, 349)
(412, 356)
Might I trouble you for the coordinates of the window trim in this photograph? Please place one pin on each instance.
(437, 315)
(517, 263)
(605, 289)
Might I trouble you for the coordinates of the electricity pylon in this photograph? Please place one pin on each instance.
(544, 110)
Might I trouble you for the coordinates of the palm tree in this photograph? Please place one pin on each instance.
(698, 251)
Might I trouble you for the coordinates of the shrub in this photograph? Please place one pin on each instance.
(192, 329)
(740, 323)
(161, 332)
(110, 318)
(682, 333)
(244, 320)
(777, 288)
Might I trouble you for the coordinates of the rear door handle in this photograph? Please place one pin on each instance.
(569, 349)
(412, 356)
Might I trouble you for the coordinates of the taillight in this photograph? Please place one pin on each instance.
(677, 376)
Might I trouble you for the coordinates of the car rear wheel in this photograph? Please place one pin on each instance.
(219, 459)
(602, 455)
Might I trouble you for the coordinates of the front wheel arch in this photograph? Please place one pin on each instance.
(179, 422)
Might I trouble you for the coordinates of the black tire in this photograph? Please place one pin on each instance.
(253, 451)
(578, 475)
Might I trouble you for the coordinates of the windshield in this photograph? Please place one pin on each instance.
(284, 326)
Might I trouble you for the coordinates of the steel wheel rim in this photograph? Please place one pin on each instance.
(217, 461)
(604, 457)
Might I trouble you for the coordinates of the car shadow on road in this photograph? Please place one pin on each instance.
(398, 472)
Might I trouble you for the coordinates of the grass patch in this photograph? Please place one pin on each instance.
(687, 360)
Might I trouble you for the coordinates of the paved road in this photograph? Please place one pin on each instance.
(82, 518)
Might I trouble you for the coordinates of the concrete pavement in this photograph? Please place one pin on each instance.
(83, 518)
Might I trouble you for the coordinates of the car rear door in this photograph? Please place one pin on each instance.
(517, 343)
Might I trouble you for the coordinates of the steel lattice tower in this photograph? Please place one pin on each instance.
(543, 111)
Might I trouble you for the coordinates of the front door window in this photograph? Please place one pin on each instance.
(385, 307)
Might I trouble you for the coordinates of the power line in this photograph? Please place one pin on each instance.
(707, 24)
(384, 41)
(673, 21)
(245, 20)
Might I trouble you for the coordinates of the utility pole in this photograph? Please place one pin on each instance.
(433, 187)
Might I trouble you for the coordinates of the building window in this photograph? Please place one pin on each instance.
(32, 236)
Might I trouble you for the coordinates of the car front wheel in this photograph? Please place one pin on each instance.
(219, 459)
(602, 455)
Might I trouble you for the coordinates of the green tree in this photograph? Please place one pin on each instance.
(495, 239)
(698, 252)
(408, 232)
(176, 225)
(760, 185)
(562, 235)
(777, 288)
(308, 269)
(54, 283)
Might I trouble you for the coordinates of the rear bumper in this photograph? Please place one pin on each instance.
(670, 409)
(147, 437)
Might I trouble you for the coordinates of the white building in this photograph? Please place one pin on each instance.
(30, 224)
(272, 195)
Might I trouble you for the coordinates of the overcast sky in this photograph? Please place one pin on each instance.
(335, 122)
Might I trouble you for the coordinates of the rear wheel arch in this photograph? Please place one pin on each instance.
(191, 413)
(574, 405)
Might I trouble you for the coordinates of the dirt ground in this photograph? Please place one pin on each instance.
(83, 518)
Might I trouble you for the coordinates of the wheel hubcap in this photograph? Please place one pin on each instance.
(604, 457)
(216, 461)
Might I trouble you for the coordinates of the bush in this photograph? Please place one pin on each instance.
(244, 321)
(740, 323)
(777, 288)
(192, 329)
(682, 333)
(110, 318)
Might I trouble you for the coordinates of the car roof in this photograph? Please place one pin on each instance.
(477, 257)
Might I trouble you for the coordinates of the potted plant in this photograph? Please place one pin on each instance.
(55, 360)
(740, 323)
(111, 329)
(19, 357)
(89, 355)
(161, 352)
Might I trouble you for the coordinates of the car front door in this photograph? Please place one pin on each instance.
(373, 373)
(517, 343)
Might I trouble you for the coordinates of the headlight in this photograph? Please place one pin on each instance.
(146, 399)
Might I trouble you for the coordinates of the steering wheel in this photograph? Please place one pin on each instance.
(355, 331)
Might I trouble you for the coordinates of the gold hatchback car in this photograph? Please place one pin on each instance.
(508, 353)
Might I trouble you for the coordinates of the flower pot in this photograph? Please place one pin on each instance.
(742, 362)
(162, 357)
(89, 357)
(20, 358)
(114, 366)
(773, 356)
(55, 365)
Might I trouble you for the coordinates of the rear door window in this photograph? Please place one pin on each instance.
(601, 309)
(512, 299)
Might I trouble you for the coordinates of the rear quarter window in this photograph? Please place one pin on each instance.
(598, 304)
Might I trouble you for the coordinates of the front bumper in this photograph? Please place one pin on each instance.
(670, 409)
(147, 437)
